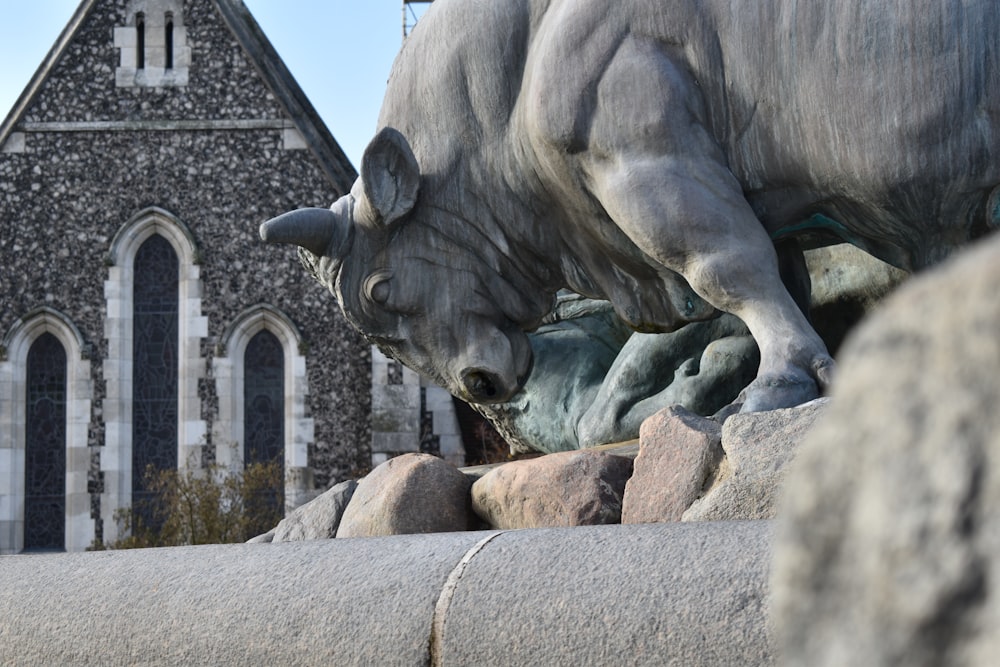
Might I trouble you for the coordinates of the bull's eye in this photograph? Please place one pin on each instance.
(376, 286)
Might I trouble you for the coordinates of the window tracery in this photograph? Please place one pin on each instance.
(264, 397)
(45, 446)
(155, 359)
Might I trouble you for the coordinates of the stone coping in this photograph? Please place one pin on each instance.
(685, 594)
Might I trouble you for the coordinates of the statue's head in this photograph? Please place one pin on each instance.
(423, 297)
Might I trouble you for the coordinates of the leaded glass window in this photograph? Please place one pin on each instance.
(264, 407)
(264, 400)
(45, 446)
(154, 364)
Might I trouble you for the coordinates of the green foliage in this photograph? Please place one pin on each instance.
(203, 506)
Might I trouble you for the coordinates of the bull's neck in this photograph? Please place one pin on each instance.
(474, 163)
(503, 227)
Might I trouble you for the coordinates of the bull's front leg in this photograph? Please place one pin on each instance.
(660, 176)
(690, 216)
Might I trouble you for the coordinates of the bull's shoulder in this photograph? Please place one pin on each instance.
(568, 52)
(459, 72)
(578, 46)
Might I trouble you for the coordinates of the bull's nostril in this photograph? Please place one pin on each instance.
(480, 385)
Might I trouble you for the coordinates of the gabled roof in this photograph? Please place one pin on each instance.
(51, 58)
(289, 94)
(262, 54)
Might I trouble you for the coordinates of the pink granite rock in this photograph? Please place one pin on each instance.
(678, 454)
(563, 489)
(758, 448)
(412, 493)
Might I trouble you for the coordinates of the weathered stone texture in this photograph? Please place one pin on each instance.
(887, 549)
(758, 447)
(412, 493)
(562, 489)
(56, 245)
(678, 453)
(669, 594)
(317, 519)
(223, 82)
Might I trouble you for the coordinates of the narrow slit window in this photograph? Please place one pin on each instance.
(264, 393)
(169, 41)
(140, 41)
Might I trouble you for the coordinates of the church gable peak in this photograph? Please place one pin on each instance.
(169, 65)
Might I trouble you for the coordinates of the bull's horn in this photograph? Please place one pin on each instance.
(311, 228)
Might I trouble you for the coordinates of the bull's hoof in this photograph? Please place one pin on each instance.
(777, 391)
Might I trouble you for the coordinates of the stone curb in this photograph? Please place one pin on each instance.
(656, 594)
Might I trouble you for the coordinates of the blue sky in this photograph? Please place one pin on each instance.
(340, 52)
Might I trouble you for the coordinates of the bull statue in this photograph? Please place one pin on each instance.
(652, 153)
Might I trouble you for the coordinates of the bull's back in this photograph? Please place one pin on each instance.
(883, 115)
(457, 78)
(840, 83)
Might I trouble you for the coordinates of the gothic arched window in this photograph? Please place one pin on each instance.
(264, 400)
(155, 360)
(45, 446)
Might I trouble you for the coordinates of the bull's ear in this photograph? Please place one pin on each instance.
(390, 175)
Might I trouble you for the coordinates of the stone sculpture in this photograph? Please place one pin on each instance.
(650, 153)
(594, 381)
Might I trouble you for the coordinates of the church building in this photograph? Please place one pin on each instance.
(142, 320)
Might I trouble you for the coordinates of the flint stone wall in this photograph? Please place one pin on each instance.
(64, 193)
